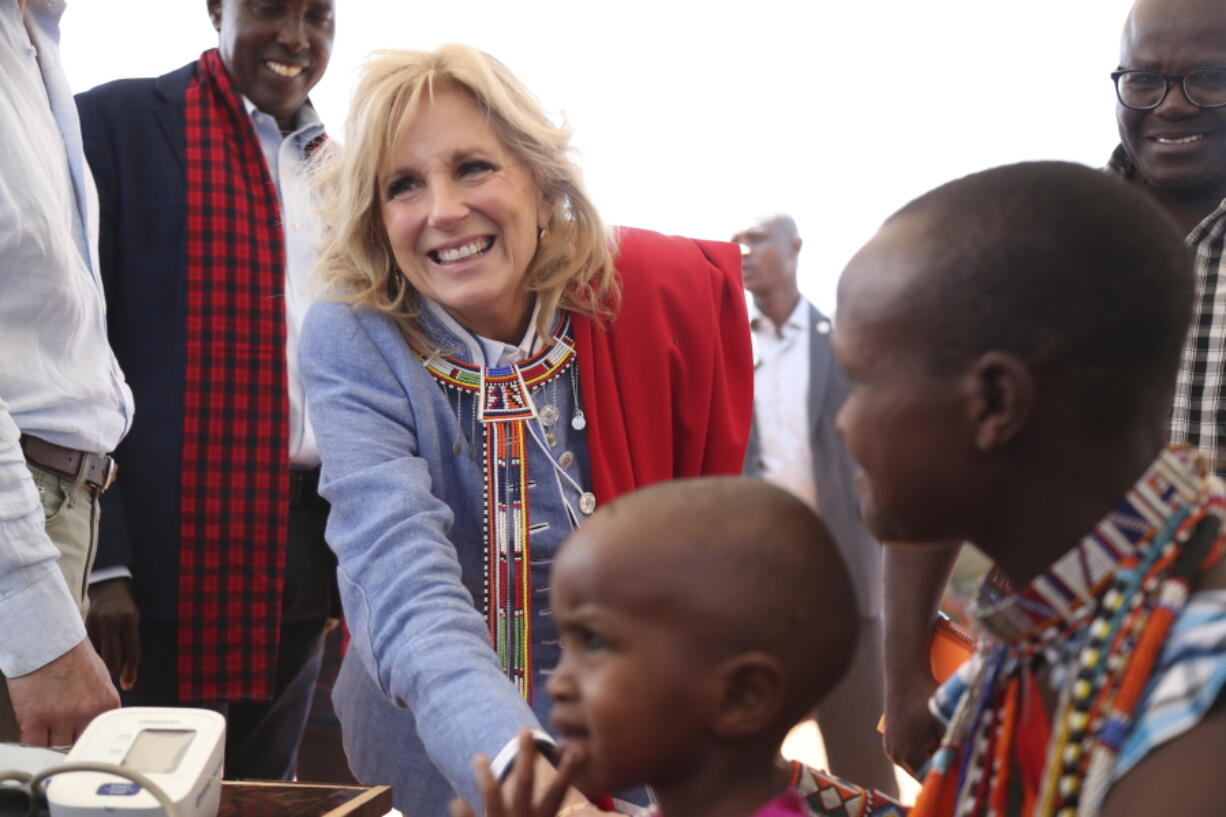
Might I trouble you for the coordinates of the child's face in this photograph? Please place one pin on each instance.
(900, 421)
(631, 689)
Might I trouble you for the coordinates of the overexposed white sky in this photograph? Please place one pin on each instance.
(697, 116)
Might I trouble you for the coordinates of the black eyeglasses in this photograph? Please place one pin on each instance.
(1145, 90)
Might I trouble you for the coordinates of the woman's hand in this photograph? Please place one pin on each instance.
(533, 789)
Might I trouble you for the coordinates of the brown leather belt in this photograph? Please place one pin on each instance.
(100, 470)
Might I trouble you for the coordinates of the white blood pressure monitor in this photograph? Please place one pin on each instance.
(181, 750)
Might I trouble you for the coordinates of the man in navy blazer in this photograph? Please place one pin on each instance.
(798, 389)
(135, 140)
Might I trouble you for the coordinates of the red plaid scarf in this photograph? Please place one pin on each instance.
(235, 469)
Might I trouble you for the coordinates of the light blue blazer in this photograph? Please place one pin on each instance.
(405, 482)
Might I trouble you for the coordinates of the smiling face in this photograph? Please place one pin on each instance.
(903, 424)
(274, 50)
(462, 214)
(1177, 147)
(633, 692)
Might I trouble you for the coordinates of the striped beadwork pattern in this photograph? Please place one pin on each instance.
(825, 795)
(1096, 622)
(504, 407)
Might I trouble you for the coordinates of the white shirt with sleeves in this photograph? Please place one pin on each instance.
(781, 401)
(286, 158)
(58, 377)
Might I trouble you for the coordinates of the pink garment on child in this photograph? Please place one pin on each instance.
(787, 804)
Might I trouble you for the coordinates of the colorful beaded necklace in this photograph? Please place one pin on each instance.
(1097, 620)
(504, 408)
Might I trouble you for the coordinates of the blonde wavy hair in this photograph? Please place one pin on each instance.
(573, 265)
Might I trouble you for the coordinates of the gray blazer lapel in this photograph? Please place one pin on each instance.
(820, 361)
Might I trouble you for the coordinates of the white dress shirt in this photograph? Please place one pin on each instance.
(485, 351)
(58, 378)
(286, 159)
(781, 401)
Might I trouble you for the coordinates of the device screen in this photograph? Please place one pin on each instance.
(158, 751)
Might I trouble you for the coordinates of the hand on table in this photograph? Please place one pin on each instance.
(55, 702)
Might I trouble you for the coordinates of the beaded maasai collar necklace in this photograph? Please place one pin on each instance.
(1066, 591)
(504, 407)
(1113, 598)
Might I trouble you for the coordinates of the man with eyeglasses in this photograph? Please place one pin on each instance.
(1171, 89)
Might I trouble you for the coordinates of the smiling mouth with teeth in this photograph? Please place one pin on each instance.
(1179, 140)
(451, 255)
(283, 70)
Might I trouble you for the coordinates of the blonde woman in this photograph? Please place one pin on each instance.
(492, 365)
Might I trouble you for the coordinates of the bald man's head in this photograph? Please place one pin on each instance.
(1177, 147)
(771, 251)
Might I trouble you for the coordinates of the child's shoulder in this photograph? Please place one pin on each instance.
(826, 795)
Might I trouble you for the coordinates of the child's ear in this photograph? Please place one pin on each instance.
(1001, 391)
(753, 688)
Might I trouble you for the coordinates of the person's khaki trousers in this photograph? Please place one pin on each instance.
(71, 513)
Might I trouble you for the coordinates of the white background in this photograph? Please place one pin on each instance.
(696, 116)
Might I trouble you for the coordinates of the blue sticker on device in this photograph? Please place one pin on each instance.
(120, 789)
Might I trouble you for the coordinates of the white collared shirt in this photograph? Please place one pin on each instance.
(286, 160)
(781, 401)
(58, 377)
(483, 351)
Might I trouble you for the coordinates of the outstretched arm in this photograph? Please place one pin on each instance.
(412, 620)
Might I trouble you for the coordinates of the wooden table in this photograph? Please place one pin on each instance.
(269, 799)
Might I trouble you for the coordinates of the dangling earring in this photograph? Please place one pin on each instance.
(541, 234)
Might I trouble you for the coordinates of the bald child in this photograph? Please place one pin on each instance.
(700, 620)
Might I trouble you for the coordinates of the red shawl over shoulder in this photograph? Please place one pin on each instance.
(668, 383)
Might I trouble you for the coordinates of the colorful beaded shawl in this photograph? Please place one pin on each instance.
(504, 407)
(1096, 620)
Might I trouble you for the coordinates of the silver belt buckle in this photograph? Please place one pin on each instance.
(112, 471)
